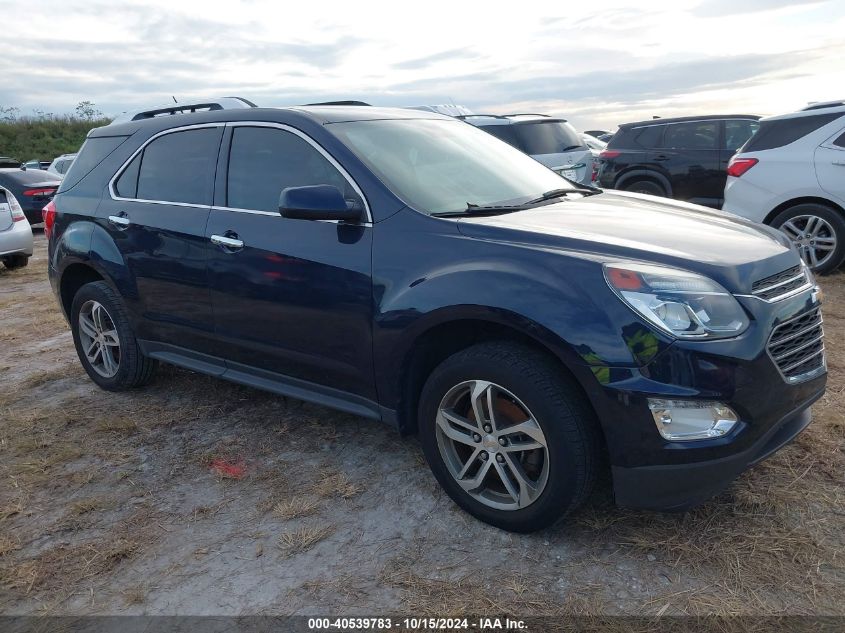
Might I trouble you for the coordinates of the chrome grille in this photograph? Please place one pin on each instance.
(780, 284)
(775, 286)
(797, 346)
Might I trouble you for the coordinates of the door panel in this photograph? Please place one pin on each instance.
(163, 242)
(296, 297)
(690, 155)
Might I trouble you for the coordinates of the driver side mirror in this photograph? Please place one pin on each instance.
(317, 202)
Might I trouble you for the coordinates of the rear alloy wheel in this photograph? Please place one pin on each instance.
(645, 186)
(104, 340)
(818, 232)
(509, 435)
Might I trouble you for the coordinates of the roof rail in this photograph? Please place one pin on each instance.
(221, 103)
(529, 114)
(824, 104)
(339, 103)
(489, 116)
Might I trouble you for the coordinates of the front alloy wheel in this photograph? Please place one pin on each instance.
(492, 445)
(509, 435)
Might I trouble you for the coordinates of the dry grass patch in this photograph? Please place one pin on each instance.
(337, 485)
(296, 508)
(8, 544)
(304, 538)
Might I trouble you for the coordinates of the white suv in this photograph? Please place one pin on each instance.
(791, 175)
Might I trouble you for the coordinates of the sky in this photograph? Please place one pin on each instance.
(597, 64)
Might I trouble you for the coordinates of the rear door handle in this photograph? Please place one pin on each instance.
(661, 157)
(120, 221)
(839, 162)
(229, 243)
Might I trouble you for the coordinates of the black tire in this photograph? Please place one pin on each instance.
(556, 402)
(645, 186)
(16, 261)
(834, 220)
(134, 369)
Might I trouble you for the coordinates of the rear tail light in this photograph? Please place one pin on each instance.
(739, 166)
(609, 153)
(595, 174)
(15, 207)
(48, 214)
(40, 192)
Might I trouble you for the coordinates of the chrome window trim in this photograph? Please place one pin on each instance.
(657, 122)
(321, 150)
(233, 124)
(173, 130)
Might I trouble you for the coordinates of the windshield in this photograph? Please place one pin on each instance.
(438, 166)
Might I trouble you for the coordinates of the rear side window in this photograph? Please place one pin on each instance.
(693, 135)
(738, 131)
(93, 152)
(263, 161)
(179, 167)
(649, 136)
(782, 132)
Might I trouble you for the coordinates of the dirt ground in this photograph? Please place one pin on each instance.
(195, 496)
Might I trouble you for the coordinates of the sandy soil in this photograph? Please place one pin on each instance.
(194, 496)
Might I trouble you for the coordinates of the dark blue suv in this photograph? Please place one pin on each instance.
(410, 268)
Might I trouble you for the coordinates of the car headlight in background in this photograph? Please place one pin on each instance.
(684, 420)
(681, 303)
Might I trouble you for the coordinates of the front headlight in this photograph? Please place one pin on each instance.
(681, 303)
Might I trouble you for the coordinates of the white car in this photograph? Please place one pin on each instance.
(15, 232)
(61, 164)
(791, 175)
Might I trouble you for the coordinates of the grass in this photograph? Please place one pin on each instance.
(336, 485)
(302, 539)
(296, 508)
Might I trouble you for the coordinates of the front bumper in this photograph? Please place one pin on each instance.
(680, 486)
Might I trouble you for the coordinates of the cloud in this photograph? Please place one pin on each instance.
(430, 60)
(722, 8)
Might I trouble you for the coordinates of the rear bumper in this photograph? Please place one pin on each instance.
(678, 487)
(16, 240)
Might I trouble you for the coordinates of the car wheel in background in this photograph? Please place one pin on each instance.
(508, 435)
(104, 340)
(16, 261)
(818, 233)
(645, 186)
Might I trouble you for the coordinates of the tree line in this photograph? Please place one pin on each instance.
(44, 135)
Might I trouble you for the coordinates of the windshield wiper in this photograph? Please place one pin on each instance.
(559, 193)
(477, 209)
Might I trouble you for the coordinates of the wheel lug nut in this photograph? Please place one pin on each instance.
(503, 441)
(500, 458)
(488, 428)
(476, 437)
(483, 456)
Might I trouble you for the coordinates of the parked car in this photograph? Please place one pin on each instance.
(406, 267)
(791, 175)
(61, 164)
(35, 164)
(32, 188)
(551, 141)
(593, 143)
(596, 133)
(683, 158)
(8, 161)
(449, 109)
(15, 232)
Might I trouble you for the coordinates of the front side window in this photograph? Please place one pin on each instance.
(177, 167)
(438, 166)
(738, 131)
(695, 135)
(263, 161)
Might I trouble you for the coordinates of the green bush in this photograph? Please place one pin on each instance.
(44, 138)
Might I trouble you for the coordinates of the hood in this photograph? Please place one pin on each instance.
(622, 225)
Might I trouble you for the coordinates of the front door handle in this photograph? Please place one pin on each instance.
(229, 242)
(120, 221)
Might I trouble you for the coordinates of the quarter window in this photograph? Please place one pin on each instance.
(694, 135)
(840, 141)
(738, 131)
(176, 167)
(263, 161)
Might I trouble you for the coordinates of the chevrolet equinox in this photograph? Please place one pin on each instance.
(408, 267)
